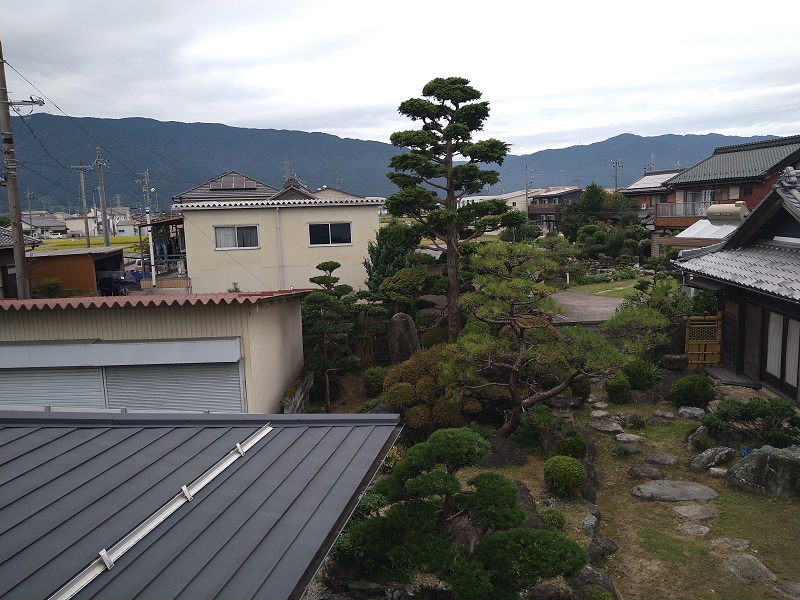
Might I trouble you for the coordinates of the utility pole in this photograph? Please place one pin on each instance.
(617, 164)
(10, 181)
(101, 162)
(81, 169)
(146, 189)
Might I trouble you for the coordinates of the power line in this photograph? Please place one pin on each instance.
(24, 165)
(33, 133)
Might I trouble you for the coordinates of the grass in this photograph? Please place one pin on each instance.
(616, 289)
(69, 243)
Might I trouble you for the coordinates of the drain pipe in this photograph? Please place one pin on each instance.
(280, 247)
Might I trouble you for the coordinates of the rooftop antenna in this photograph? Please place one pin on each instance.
(652, 164)
(338, 183)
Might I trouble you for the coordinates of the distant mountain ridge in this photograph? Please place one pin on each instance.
(181, 155)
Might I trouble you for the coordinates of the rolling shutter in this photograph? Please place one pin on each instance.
(74, 387)
(215, 387)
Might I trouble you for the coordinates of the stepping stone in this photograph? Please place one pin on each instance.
(628, 438)
(645, 472)
(728, 543)
(665, 490)
(598, 414)
(690, 412)
(695, 512)
(694, 529)
(661, 458)
(748, 568)
(627, 449)
(790, 589)
(606, 426)
(592, 399)
(664, 414)
(718, 472)
(600, 405)
(654, 420)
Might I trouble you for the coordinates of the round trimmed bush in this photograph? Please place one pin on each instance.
(572, 445)
(553, 518)
(618, 389)
(564, 475)
(373, 380)
(581, 389)
(693, 390)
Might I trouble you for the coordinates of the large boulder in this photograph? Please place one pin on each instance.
(711, 458)
(768, 470)
(590, 582)
(401, 335)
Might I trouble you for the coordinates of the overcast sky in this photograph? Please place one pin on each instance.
(555, 73)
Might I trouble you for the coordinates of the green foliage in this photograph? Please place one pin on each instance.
(595, 593)
(520, 233)
(572, 445)
(49, 288)
(704, 302)
(433, 337)
(533, 424)
(618, 389)
(592, 239)
(553, 518)
(638, 328)
(636, 422)
(585, 210)
(703, 442)
(234, 288)
(623, 451)
(373, 380)
(773, 421)
(391, 251)
(368, 406)
(642, 374)
(692, 390)
(406, 287)
(581, 389)
(563, 475)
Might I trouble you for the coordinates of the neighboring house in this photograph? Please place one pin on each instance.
(81, 271)
(720, 222)
(217, 352)
(756, 271)
(123, 506)
(743, 172)
(241, 231)
(77, 226)
(517, 200)
(649, 190)
(127, 227)
(544, 206)
(8, 272)
(42, 225)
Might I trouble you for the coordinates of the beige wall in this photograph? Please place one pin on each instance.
(270, 335)
(257, 269)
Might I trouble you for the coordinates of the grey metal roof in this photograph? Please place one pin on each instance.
(651, 182)
(43, 221)
(755, 160)
(74, 485)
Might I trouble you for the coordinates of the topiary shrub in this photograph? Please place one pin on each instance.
(553, 518)
(533, 423)
(774, 421)
(572, 445)
(373, 380)
(693, 390)
(432, 337)
(563, 475)
(642, 375)
(618, 389)
(581, 389)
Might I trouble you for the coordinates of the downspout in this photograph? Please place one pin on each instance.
(280, 247)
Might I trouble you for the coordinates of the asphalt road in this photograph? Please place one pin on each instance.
(584, 308)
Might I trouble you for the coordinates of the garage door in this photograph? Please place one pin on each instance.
(65, 387)
(216, 387)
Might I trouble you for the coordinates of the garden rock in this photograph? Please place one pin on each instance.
(628, 449)
(790, 589)
(401, 335)
(528, 502)
(592, 399)
(600, 549)
(548, 591)
(504, 452)
(695, 512)
(768, 470)
(631, 438)
(656, 420)
(592, 509)
(664, 414)
(384, 408)
(748, 568)
(694, 529)
(600, 405)
(711, 457)
(718, 472)
(361, 590)
(645, 472)
(589, 524)
(598, 414)
(691, 441)
(592, 486)
(606, 426)
(690, 412)
(665, 490)
(728, 543)
(592, 578)
(661, 458)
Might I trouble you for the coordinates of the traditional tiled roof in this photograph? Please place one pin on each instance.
(230, 185)
(81, 302)
(754, 160)
(169, 506)
(7, 238)
(651, 182)
(40, 221)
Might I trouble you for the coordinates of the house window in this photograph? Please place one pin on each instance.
(328, 234)
(747, 191)
(238, 236)
(721, 194)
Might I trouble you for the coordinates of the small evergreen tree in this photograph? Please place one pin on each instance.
(391, 251)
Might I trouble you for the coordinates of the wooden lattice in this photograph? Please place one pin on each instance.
(703, 340)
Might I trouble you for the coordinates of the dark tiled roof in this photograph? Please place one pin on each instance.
(771, 269)
(755, 160)
(7, 239)
(231, 185)
(76, 485)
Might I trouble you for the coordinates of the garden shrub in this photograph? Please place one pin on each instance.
(636, 422)
(368, 406)
(595, 593)
(618, 389)
(703, 442)
(623, 451)
(553, 518)
(641, 374)
(693, 390)
(533, 423)
(581, 389)
(432, 337)
(563, 475)
(373, 380)
(572, 445)
(774, 422)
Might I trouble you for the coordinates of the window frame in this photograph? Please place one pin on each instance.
(236, 235)
(330, 236)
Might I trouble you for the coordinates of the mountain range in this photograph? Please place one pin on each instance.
(179, 156)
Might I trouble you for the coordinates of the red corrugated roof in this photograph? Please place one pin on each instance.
(150, 300)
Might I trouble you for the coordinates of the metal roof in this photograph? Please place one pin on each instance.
(754, 160)
(79, 302)
(93, 250)
(653, 181)
(175, 506)
(705, 229)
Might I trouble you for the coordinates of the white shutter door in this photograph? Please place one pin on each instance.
(76, 387)
(194, 387)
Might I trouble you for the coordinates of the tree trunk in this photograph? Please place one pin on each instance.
(453, 285)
